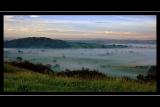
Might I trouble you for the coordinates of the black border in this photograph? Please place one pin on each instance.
(79, 5)
(81, 13)
(2, 68)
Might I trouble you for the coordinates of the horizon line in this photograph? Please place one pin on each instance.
(76, 38)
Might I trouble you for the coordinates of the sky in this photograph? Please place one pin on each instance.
(134, 27)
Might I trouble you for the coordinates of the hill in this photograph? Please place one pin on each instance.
(22, 80)
(43, 42)
(34, 42)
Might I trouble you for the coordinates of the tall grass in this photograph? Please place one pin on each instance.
(29, 81)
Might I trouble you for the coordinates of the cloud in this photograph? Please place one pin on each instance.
(34, 16)
(120, 33)
(8, 18)
(56, 30)
(61, 21)
(11, 29)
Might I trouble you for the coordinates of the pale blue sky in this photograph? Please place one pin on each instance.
(81, 26)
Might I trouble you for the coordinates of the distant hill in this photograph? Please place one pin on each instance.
(117, 41)
(43, 42)
(36, 42)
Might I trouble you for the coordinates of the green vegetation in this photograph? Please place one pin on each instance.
(33, 67)
(18, 79)
(19, 59)
(151, 76)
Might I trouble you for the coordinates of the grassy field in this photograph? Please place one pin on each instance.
(22, 80)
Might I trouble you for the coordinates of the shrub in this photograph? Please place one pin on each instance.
(19, 59)
(125, 78)
(34, 67)
(19, 51)
(54, 60)
(151, 75)
(84, 73)
(140, 77)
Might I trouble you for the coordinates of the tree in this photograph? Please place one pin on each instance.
(140, 77)
(19, 59)
(151, 75)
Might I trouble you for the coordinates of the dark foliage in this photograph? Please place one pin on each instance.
(140, 77)
(125, 78)
(19, 59)
(34, 67)
(152, 75)
(83, 73)
(116, 46)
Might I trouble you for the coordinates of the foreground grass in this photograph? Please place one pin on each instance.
(22, 80)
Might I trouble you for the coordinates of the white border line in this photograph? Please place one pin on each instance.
(80, 11)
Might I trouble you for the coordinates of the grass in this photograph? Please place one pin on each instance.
(22, 80)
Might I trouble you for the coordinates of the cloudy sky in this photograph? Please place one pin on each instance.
(141, 27)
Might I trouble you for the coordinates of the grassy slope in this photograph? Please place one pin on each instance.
(21, 80)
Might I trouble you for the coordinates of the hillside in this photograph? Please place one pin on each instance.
(21, 80)
(33, 42)
(42, 42)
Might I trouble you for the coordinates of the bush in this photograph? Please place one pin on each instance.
(125, 78)
(34, 67)
(83, 73)
(54, 60)
(151, 75)
(140, 77)
(19, 59)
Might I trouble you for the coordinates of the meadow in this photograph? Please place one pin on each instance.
(22, 80)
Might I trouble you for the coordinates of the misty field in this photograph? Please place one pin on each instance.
(121, 67)
(128, 62)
